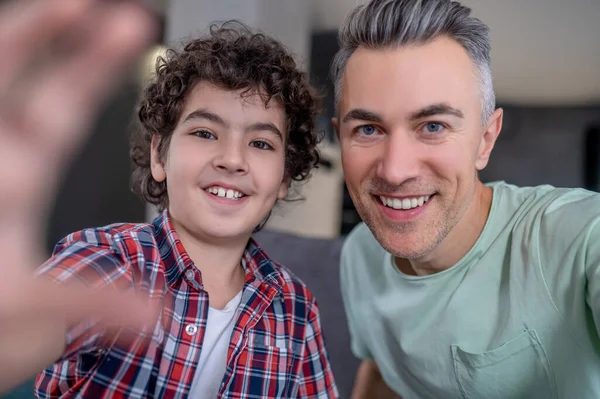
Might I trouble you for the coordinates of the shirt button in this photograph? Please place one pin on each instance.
(189, 274)
(191, 329)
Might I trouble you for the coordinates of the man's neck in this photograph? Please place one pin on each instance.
(458, 242)
(219, 261)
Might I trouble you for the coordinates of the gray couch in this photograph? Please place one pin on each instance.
(316, 262)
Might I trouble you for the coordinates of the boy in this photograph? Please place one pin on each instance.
(224, 129)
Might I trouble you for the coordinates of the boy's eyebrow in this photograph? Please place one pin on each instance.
(265, 126)
(204, 114)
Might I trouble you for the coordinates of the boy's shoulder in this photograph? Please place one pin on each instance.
(108, 237)
(292, 282)
(284, 279)
(103, 253)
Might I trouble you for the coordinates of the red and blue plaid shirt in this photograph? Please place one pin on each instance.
(276, 349)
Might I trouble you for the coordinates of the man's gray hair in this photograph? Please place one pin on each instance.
(389, 23)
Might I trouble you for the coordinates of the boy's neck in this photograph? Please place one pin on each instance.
(219, 261)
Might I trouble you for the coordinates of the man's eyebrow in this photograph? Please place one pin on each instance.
(361, 115)
(204, 114)
(265, 126)
(436, 109)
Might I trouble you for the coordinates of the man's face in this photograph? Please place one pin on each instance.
(412, 141)
(225, 165)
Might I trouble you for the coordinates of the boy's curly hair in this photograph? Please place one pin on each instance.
(232, 57)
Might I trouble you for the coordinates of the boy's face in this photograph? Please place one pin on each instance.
(225, 165)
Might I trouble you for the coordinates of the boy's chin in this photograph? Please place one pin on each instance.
(227, 231)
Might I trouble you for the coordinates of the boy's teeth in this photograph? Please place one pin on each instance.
(406, 203)
(225, 193)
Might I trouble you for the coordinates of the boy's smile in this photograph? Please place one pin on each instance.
(227, 195)
(224, 191)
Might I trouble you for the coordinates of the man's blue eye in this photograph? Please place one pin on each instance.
(433, 127)
(368, 130)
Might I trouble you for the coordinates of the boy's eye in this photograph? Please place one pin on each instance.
(261, 145)
(205, 134)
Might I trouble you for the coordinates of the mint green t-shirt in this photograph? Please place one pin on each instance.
(516, 317)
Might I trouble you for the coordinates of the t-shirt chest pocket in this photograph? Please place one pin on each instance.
(517, 369)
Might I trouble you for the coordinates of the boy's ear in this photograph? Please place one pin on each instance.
(336, 126)
(158, 170)
(284, 188)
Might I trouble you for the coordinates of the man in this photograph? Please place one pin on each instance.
(454, 288)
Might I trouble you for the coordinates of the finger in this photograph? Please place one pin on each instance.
(25, 26)
(65, 100)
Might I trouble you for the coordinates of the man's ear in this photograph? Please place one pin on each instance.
(492, 130)
(158, 170)
(336, 126)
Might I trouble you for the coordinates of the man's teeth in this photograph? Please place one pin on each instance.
(225, 193)
(405, 203)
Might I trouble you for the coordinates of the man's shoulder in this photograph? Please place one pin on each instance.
(547, 202)
(566, 216)
(550, 219)
(362, 259)
(577, 201)
(543, 192)
(361, 243)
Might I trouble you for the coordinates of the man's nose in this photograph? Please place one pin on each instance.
(400, 159)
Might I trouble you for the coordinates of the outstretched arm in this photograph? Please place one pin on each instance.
(59, 60)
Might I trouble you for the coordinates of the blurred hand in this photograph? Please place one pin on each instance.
(59, 59)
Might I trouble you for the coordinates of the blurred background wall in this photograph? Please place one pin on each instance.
(546, 67)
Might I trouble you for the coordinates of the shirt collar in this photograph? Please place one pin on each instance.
(257, 264)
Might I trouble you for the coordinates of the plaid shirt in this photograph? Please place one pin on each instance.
(276, 349)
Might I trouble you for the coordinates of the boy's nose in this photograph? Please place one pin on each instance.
(231, 159)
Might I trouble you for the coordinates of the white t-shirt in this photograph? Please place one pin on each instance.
(213, 357)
